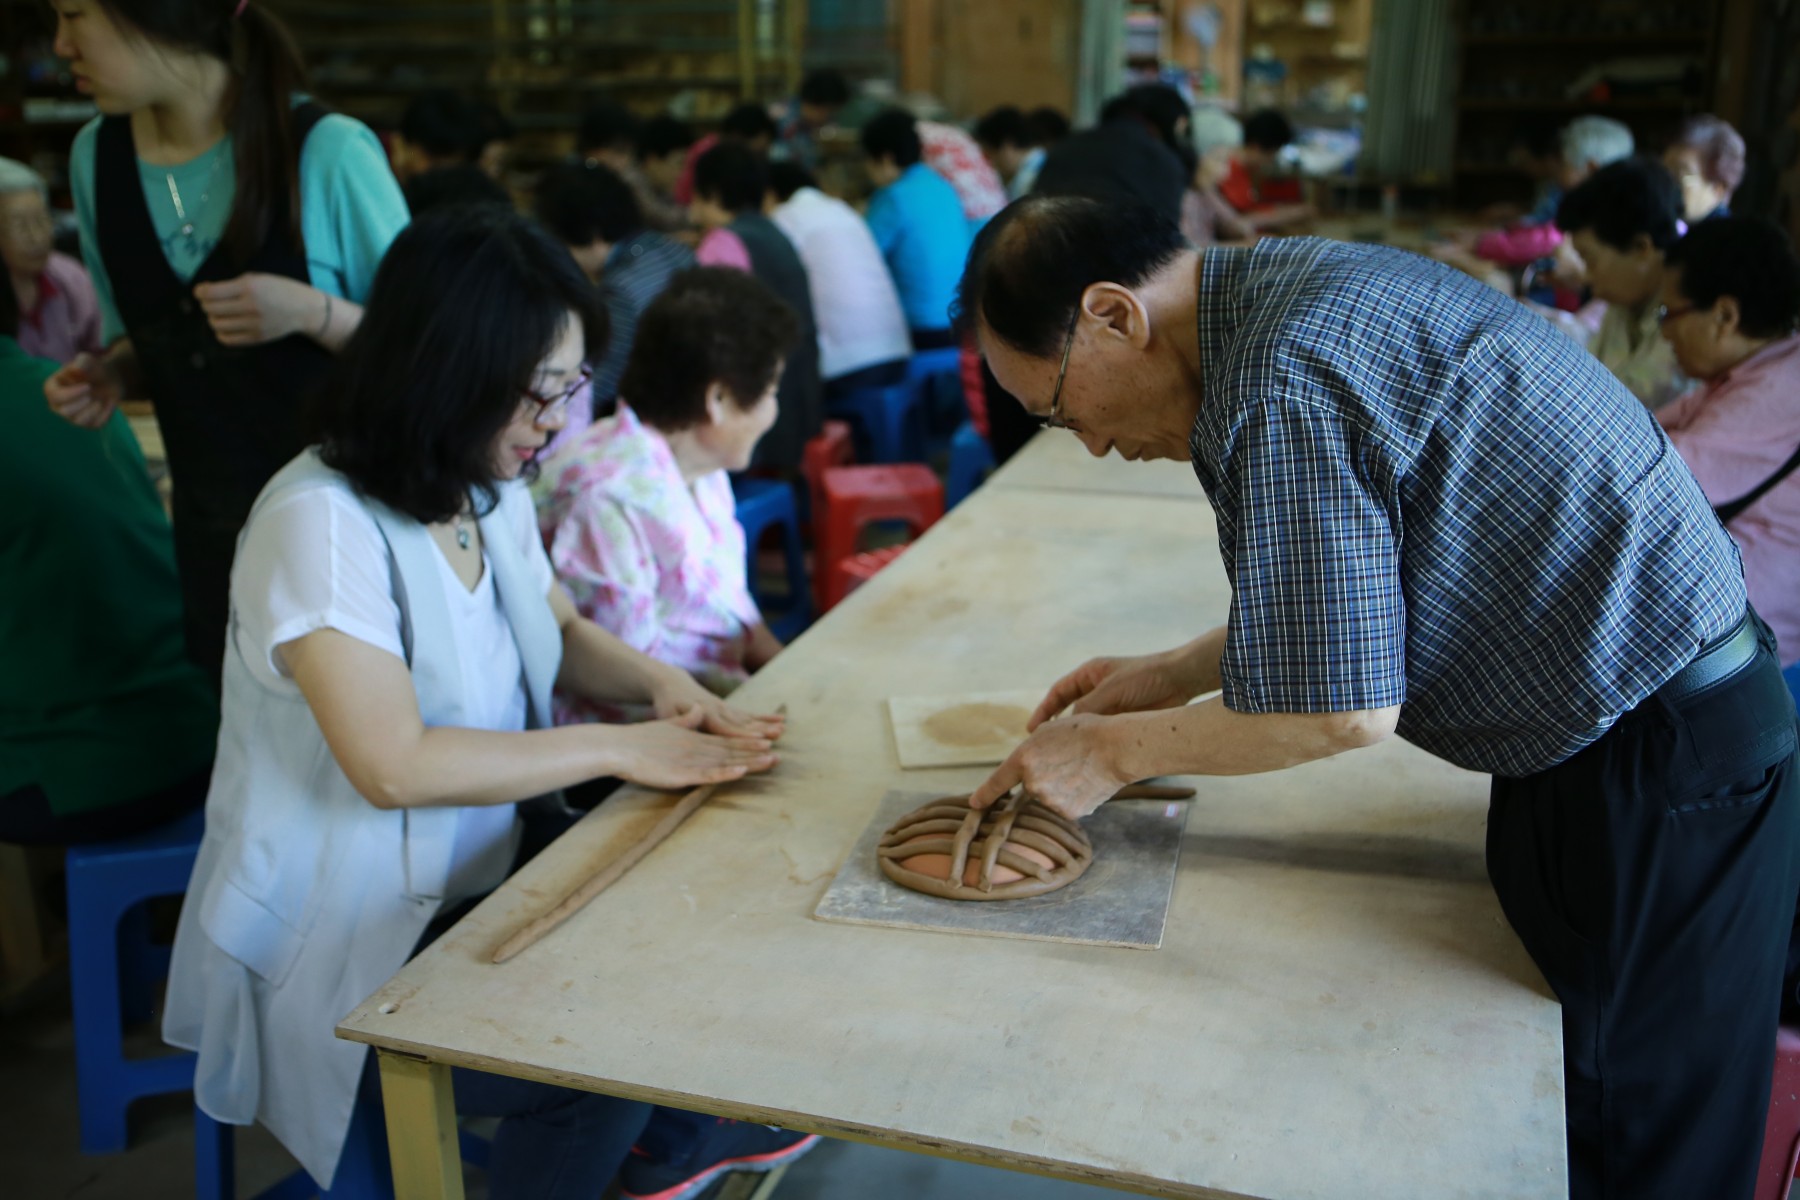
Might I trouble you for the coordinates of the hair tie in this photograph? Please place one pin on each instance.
(239, 10)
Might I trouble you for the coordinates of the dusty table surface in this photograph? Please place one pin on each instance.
(1056, 461)
(1338, 1008)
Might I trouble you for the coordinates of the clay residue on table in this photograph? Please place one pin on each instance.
(977, 724)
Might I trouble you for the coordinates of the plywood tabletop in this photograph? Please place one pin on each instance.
(1338, 1008)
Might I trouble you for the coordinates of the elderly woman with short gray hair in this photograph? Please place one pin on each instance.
(59, 314)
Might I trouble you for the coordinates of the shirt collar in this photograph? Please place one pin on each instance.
(1222, 270)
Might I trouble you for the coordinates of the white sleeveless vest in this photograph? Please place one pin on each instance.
(306, 898)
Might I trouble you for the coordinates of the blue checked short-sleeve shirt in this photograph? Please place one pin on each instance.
(1428, 497)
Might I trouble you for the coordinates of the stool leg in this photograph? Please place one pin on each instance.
(799, 614)
(215, 1159)
(142, 968)
(99, 1047)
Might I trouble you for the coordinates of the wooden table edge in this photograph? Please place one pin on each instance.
(420, 1136)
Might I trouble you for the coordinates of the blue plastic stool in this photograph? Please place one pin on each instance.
(762, 503)
(971, 458)
(115, 970)
(1792, 675)
(364, 1172)
(935, 376)
(889, 422)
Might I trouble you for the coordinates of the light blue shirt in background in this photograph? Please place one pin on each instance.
(351, 208)
(919, 224)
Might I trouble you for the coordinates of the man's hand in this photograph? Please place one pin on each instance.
(86, 392)
(1067, 765)
(1106, 686)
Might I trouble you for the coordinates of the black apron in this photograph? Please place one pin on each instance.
(230, 417)
(774, 260)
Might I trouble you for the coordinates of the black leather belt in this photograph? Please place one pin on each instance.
(1717, 661)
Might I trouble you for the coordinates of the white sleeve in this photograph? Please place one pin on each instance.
(313, 560)
(515, 500)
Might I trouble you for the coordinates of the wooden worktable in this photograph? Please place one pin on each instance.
(1338, 1008)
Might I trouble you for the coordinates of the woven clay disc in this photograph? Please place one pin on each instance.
(948, 849)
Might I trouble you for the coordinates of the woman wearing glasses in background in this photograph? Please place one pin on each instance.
(395, 634)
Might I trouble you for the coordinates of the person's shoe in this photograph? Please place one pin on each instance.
(725, 1147)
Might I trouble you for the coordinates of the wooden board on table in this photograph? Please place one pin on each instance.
(1122, 899)
(973, 729)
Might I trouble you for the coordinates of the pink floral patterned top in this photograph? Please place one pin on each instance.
(646, 556)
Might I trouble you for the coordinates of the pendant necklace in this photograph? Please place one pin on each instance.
(462, 532)
(187, 225)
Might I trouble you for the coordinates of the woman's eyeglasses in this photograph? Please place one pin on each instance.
(549, 406)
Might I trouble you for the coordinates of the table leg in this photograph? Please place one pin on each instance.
(421, 1128)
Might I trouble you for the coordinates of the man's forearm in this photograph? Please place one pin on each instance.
(1209, 739)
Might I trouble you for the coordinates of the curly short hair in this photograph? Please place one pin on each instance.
(662, 136)
(1619, 202)
(893, 134)
(466, 305)
(710, 325)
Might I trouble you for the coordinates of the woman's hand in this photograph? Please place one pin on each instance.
(1067, 765)
(86, 392)
(674, 753)
(257, 308)
(676, 694)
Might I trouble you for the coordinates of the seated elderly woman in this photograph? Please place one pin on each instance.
(638, 512)
(395, 632)
(1621, 221)
(59, 311)
(1731, 301)
(1707, 160)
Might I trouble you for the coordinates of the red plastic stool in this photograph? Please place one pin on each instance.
(834, 447)
(855, 498)
(858, 569)
(1781, 1136)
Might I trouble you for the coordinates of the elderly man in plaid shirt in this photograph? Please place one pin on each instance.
(1441, 519)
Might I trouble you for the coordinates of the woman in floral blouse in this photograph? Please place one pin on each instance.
(637, 513)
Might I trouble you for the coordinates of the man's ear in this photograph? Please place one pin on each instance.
(1120, 310)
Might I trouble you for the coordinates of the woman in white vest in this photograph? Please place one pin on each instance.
(395, 634)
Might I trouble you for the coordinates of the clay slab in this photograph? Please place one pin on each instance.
(974, 729)
(1122, 900)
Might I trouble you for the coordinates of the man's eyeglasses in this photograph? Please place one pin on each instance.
(549, 406)
(1055, 419)
(1665, 314)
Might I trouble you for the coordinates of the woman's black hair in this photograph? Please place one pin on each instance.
(466, 306)
(710, 325)
(893, 134)
(786, 178)
(1048, 125)
(663, 136)
(266, 72)
(607, 125)
(1004, 126)
(826, 87)
(444, 124)
(443, 187)
(1622, 200)
(732, 174)
(579, 202)
(1749, 259)
(1269, 130)
(749, 121)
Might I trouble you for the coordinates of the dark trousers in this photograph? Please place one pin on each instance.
(881, 374)
(1652, 878)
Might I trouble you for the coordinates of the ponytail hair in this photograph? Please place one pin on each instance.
(266, 72)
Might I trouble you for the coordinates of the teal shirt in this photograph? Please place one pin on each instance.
(99, 704)
(351, 208)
